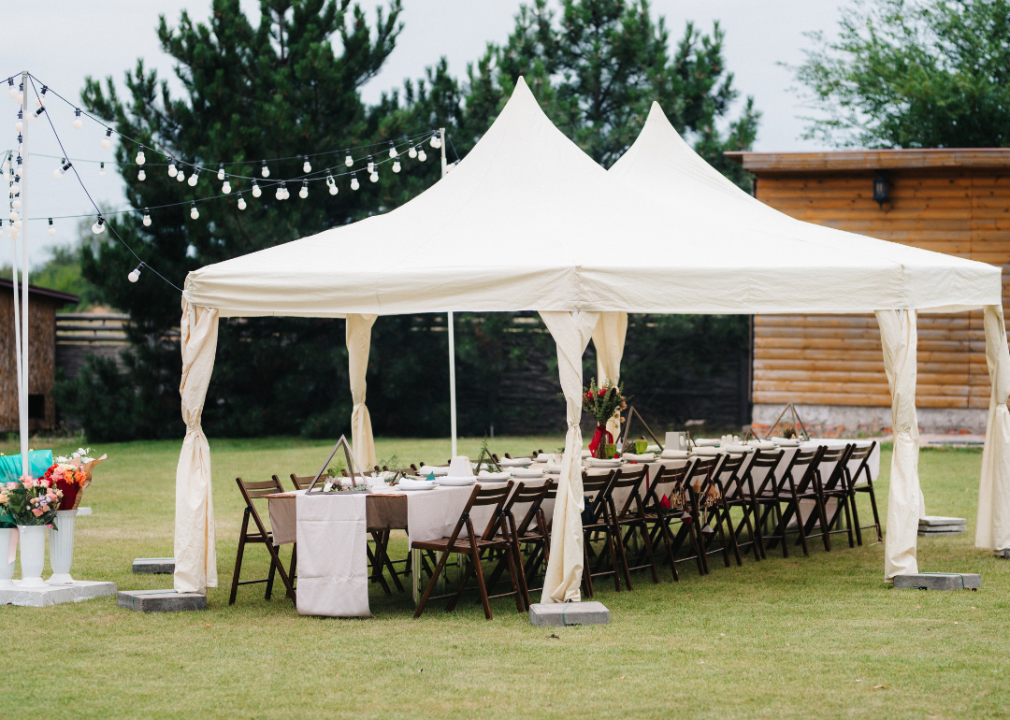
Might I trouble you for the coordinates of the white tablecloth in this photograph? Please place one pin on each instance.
(332, 559)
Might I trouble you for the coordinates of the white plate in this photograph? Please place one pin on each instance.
(416, 485)
(424, 470)
(785, 442)
(707, 442)
(675, 454)
(706, 451)
(456, 481)
(527, 473)
(647, 457)
(515, 462)
(597, 462)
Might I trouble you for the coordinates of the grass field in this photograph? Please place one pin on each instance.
(816, 637)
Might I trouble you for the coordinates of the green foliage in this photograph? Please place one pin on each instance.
(928, 74)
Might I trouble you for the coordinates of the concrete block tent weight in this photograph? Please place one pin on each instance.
(527, 221)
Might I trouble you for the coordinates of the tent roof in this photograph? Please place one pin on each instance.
(527, 221)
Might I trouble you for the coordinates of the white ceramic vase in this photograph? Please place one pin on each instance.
(6, 568)
(61, 547)
(33, 555)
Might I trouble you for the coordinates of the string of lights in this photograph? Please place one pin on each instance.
(409, 146)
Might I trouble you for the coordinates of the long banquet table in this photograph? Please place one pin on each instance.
(433, 514)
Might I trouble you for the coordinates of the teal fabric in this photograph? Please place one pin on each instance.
(39, 461)
(10, 470)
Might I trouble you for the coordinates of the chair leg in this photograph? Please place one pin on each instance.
(609, 537)
(873, 505)
(732, 534)
(644, 528)
(238, 557)
(475, 554)
(587, 570)
(431, 584)
(750, 529)
(270, 576)
(664, 531)
(376, 561)
(851, 498)
(517, 589)
(623, 556)
(276, 564)
(451, 605)
(294, 562)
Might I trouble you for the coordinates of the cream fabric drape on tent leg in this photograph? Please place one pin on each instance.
(571, 332)
(359, 340)
(905, 504)
(608, 339)
(992, 531)
(195, 555)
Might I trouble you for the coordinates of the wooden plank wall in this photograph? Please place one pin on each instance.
(41, 356)
(837, 360)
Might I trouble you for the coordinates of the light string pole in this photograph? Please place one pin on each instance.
(452, 331)
(21, 341)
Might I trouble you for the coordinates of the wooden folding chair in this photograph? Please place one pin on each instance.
(735, 494)
(705, 502)
(861, 455)
(596, 519)
(788, 492)
(474, 547)
(522, 495)
(631, 516)
(833, 487)
(256, 491)
(763, 464)
(670, 483)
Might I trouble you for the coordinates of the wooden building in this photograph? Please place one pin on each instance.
(951, 201)
(42, 307)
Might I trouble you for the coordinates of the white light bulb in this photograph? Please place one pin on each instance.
(192, 180)
(307, 166)
(21, 171)
(78, 123)
(16, 204)
(348, 161)
(19, 126)
(38, 101)
(98, 228)
(193, 212)
(371, 165)
(265, 172)
(141, 158)
(172, 169)
(134, 276)
(333, 189)
(435, 141)
(422, 155)
(107, 141)
(256, 192)
(226, 188)
(14, 216)
(17, 224)
(15, 188)
(21, 98)
(101, 170)
(304, 192)
(412, 152)
(13, 91)
(241, 203)
(147, 219)
(57, 174)
(220, 172)
(7, 165)
(374, 177)
(180, 176)
(280, 193)
(396, 166)
(52, 229)
(142, 176)
(32, 116)
(354, 182)
(392, 151)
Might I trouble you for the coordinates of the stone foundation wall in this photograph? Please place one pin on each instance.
(856, 420)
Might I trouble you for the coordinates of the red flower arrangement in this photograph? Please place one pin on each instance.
(603, 403)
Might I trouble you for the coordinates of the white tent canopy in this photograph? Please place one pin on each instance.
(528, 222)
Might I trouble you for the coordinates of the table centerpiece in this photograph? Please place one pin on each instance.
(603, 403)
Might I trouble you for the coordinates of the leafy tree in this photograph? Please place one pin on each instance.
(934, 73)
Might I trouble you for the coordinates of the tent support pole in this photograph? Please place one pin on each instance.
(23, 404)
(452, 337)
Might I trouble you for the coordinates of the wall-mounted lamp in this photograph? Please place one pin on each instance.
(881, 189)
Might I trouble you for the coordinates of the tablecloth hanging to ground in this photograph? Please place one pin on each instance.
(905, 504)
(571, 332)
(993, 529)
(195, 554)
(608, 339)
(359, 340)
(332, 560)
(527, 221)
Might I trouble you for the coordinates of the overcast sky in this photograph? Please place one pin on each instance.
(61, 42)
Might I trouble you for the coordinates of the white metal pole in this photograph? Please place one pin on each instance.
(17, 313)
(452, 336)
(25, 371)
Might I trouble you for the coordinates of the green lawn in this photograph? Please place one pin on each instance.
(813, 637)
